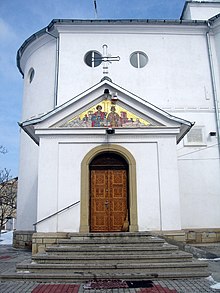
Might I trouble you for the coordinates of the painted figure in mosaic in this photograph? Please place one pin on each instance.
(113, 118)
(99, 117)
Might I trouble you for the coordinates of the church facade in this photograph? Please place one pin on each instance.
(120, 126)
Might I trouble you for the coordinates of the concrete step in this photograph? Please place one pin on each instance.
(83, 276)
(117, 268)
(96, 258)
(112, 235)
(147, 241)
(110, 249)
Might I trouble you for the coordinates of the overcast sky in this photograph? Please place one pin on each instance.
(19, 19)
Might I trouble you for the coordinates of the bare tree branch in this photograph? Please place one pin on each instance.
(3, 150)
(8, 193)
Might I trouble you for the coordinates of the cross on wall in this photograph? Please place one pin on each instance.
(106, 59)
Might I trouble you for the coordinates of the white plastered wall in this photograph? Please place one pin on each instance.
(60, 179)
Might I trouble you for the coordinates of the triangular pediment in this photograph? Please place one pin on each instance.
(107, 113)
(102, 106)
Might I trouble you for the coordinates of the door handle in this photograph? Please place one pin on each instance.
(106, 204)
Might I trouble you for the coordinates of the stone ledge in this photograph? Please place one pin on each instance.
(42, 240)
(192, 236)
(211, 235)
(22, 239)
(177, 235)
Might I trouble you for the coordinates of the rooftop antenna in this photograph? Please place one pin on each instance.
(96, 10)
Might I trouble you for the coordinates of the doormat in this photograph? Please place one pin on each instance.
(57, 288)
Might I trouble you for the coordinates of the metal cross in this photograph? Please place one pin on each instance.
(106, 59)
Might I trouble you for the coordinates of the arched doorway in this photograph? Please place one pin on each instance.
(85, 185)
(109, 193)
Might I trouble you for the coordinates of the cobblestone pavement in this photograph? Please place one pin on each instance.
(10, 256)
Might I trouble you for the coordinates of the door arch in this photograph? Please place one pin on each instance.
(85, 185)
(109, 193)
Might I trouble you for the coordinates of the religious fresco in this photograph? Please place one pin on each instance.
(106, 114)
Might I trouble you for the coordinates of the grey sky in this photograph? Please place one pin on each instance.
(19, 19)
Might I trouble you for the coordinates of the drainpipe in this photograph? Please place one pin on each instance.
(56, 66)
(214, 89)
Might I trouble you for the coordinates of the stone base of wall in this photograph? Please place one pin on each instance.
(192, 236)
(39, 241)
(211, 235)
(22, 239)
(42, 240)
(173, 235)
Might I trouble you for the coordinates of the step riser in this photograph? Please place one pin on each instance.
(82, 278)
(91, 253)
(95, 261)
(112, 271)
(112, 235)
(115, 244)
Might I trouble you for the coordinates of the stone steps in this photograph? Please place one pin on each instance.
(112, 235)
(109, 249)
(117, 268)
(82, 277)
(127, 242)
(94, 258)
(127, 256)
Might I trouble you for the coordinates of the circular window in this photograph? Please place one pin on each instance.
(93, 58)
(31, 74)
(138, 59)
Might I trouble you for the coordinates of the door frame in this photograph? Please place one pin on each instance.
(85, 186)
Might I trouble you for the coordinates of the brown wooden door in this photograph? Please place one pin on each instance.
(108, 200)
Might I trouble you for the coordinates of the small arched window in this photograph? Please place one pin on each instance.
(31, 74)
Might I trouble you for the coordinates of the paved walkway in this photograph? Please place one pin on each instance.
(10, 256)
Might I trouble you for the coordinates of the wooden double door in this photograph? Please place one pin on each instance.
(108, 201)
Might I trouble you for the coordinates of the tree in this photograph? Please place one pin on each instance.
(8, 194)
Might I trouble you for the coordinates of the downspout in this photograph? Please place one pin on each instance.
(214, 89)
(56, 66)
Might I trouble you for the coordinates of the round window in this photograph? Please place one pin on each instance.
(31, 74)
(93, 58)
(138, 59)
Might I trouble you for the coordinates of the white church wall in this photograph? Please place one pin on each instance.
(168, 79)
(38, 95)
(47, 185)
(148, 191)
(38, 98)
(27, 184)
(60, 181)
(176, 78)
(198, 169)
(200, 202)
(215, 43)
(169, 186)
(201, 11)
